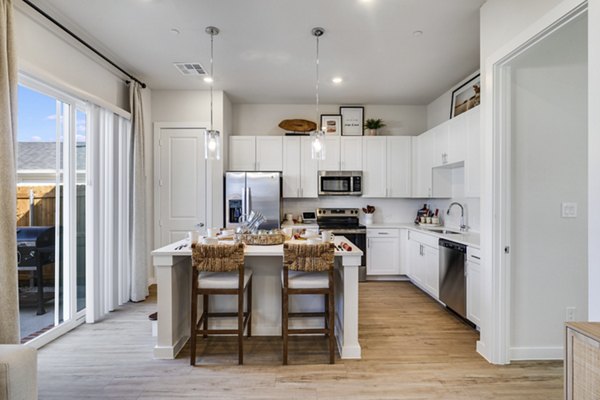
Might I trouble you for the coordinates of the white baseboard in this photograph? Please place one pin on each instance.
(389, 278)
(536, 353)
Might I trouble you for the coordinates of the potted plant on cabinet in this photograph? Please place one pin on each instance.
(372, 125)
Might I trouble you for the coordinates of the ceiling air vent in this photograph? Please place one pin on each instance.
(190, 69)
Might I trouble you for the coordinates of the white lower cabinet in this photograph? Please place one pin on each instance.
(424, 261)
(473, 286)
(383, 252)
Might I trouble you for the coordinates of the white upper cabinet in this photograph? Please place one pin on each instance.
(441, 139)
(308, 170)
(473, 157)
(457, 143)
(399, 166)
(332, 154)
(374, 167)
(242, 153)
(342, 154)
(269, 155)
(255, 153)
(351, 153)
(422, 164)
(291, 167)
(299, 169)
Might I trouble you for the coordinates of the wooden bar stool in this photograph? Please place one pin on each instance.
(219, 270)
(308, 269)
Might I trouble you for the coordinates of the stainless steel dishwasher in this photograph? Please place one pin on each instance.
(453, 282)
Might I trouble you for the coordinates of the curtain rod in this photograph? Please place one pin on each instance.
(83, 42)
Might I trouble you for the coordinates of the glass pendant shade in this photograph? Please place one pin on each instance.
(212, 145)
(317, 145)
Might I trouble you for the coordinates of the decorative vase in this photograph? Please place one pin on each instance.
(371, 132)
(368, 219)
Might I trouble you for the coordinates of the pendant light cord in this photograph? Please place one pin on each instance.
(317, 86)
(212, 76)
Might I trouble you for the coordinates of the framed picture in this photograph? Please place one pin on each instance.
(331, 124)
(467, 96)
(353, 120)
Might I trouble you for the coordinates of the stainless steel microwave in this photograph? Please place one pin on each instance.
(338, 183)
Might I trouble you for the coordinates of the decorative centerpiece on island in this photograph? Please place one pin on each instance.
(372, 125)
(369, 211)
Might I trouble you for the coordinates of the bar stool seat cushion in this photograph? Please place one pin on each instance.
(222, 280)
(307, 280)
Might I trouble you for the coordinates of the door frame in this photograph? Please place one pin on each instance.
(158, 126)
(496, 194)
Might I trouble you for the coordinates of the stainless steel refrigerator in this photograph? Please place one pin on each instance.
(253, 191)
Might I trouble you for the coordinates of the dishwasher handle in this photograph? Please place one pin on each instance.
(453, 245)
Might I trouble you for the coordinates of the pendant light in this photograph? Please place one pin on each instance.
(318, 136)
(212, 138)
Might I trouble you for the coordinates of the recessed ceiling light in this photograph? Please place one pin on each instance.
(208, 79)
(417, 33)
(337, 80)
(175, 31)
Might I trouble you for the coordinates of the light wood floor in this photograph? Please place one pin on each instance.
(412, 349)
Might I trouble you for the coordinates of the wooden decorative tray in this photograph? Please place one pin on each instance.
(263, 239)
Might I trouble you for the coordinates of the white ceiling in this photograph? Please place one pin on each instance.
(266, 54)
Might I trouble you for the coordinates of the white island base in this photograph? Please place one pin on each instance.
(173, 274)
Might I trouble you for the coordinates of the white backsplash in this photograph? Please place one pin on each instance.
(392, 210)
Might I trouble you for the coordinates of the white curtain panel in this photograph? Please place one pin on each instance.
(139, 250)
(109, 254)
(9, 294)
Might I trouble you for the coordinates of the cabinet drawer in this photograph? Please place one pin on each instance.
(383, 232)
(474, 255)
(429, 240)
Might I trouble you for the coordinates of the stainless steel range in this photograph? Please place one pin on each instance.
(344, 222)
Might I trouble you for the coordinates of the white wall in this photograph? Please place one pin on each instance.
(549, 166)
(504, 25)
(438, 110)
(594, 159)
(48, 54)
(263, 119)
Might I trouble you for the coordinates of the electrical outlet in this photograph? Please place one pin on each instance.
(569, 210)
(571, 311)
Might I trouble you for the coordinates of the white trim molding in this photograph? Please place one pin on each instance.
(495, 331)
(536, 353)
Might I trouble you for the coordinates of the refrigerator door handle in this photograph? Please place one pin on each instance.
(244, 209)
(248, 201)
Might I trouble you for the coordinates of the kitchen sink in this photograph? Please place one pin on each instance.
(444, 231)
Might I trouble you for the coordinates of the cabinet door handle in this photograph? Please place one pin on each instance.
(476, 257)
(258, 166)
(383, 233)
(369, 243)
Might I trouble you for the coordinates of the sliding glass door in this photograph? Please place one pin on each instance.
(51, 221)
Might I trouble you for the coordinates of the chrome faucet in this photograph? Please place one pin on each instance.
(463, 227)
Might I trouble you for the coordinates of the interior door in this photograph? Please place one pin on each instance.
(182, 183)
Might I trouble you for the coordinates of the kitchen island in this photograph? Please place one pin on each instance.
(173, 274)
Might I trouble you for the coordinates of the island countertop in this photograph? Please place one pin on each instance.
(252, 250)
